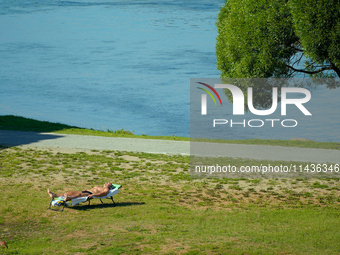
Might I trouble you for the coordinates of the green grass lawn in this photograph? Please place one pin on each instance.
(160, 208)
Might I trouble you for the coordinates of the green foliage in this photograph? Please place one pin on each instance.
(121, 132)
(317, 23)
(264, 38)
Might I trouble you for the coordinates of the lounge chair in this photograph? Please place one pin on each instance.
(59, 201)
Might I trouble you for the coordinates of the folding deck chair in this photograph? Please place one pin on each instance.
(60, 201)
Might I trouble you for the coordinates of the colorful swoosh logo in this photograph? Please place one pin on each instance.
(208, 92)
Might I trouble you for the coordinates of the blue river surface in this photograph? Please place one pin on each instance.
(110, 64)
(106, 64)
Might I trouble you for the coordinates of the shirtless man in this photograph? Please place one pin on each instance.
(95, 191)
(100, 191)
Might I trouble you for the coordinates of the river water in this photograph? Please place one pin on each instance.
(106, 64)
(114, 64)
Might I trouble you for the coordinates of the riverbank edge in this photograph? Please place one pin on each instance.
(19, 123)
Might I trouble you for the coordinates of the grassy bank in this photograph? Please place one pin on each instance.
(160, 209)
(24, 124)
(17, 123)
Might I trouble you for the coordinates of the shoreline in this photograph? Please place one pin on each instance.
(17, 123)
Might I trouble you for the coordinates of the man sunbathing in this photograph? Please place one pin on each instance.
(94, 192)
(100, 191)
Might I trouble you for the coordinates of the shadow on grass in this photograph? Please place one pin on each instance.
(16, 138)
(15, 130)
(105, 205)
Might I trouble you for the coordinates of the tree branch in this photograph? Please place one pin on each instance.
(336, 69)
(310, 72)
(298, 61)
(295, 48)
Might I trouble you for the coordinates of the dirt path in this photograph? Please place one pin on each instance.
(63, 142)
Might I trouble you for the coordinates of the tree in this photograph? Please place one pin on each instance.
(278, 38)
